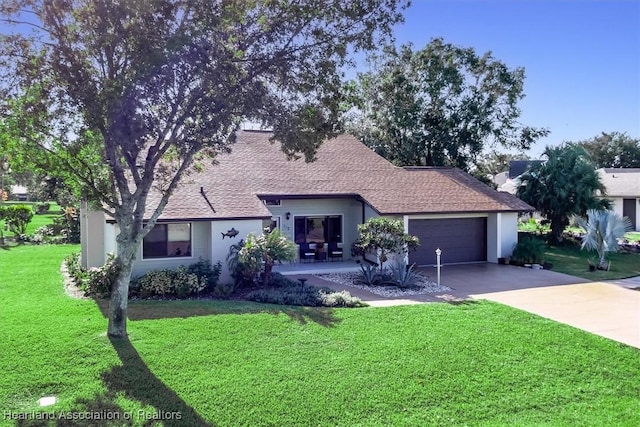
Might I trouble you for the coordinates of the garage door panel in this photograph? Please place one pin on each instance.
(460, 239)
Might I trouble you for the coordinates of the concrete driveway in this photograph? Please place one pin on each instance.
(609, 309)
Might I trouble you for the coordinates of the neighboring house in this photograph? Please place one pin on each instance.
(516, 168)
(255, 187)
(623, 189)
(19, 192)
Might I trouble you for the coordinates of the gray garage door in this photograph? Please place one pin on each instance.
(460, 239)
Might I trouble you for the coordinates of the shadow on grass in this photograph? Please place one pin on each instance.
(136, 381)
(132, 380)
(158, 309)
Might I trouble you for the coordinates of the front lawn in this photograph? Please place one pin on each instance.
(238, 363)
(571, 260)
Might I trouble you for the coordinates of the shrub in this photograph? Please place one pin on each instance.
(206, 271)
(305, 295)
(403, 275)
(42, 234)
(155, 282)
(257, 255)
(42, 208)
(67, 226)
(383, 236)
(529, 250)
(243, 269)
(178, 282)
(280, 280)
(75, 271)
(223, 290)
(17, 218)
(369, 276)
(100, 280)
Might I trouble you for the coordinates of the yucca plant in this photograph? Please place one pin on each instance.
(602, 229)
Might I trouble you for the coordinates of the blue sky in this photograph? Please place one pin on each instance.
(581, 58)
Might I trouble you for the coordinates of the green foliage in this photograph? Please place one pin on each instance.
(439, 106)
(404, 276)
(42, 208)
(75, 270)
(223, 290)
(106, 114)
(206, 271)
(42, 235)
(529, 250)
(244, 269)
(602, 229)
(67, 226)
(280, 280)
(258, 254)
(305, 295)
(95, 282)
(16, 217)
(613, 150)
(563, 186)
(368, 276)
(178, 282)
(100, 280)
(384, 236)
(426, 364)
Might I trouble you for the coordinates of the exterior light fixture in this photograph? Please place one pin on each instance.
(288, 215)
(438, 253)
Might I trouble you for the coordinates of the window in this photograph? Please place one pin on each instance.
(271, 202)
(315, 229)
(271, 224)
(167, 240)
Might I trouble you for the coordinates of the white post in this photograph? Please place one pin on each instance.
(438, 253)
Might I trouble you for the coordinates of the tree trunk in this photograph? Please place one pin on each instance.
(118, 304)
(557, 228)
(120, 291)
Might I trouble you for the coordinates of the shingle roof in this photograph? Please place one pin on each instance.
(621, 182)
(344, 167)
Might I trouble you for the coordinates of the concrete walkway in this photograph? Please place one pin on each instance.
(609, 309)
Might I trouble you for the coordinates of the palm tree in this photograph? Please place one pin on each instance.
(257, 253)
(603, 228)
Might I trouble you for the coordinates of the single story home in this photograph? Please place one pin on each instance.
(318, 205)
(623, 189)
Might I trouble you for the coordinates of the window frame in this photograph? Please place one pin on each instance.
(166, 242)
(323, 217)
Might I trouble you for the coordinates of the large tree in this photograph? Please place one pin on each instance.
(124, 98)
(566, 184)
(613, 150)
(441, 105)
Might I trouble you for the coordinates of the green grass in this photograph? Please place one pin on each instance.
(633, 236)
(238, 363)
(571, 260)
(38, 220)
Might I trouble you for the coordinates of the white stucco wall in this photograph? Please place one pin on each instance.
(502, 235)
(494, 236)
(92, 237)
(617, 207)
(350, 209)
(219, 247)
(616, 204)
(199, 248)
(509, 233)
